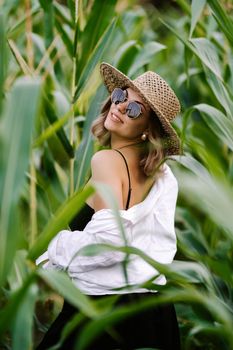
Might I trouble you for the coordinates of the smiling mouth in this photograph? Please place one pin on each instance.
(115, 118)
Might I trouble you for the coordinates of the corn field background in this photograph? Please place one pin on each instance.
(50, 92)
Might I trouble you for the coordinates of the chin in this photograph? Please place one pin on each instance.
(110, 125)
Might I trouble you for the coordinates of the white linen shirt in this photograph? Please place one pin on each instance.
(148, 226)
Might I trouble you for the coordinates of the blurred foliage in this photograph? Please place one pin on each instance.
(50, 92)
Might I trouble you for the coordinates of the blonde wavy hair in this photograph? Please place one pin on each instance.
(152, 154)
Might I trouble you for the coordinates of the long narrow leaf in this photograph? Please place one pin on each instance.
(94, 58)
(52, 129)
(202, 48)
(52, 117)
(85, 150)
(225, 22)
(219, 124)
(208, 54)
(62, 283)
(2, 57)
(7, 314)
(23, 322)
(145, 56)
(221, 92)
(16, 135)
(60, 220)
(196, 10)
(96, 26)
(49, 22)
(213, 197)
(125, 56)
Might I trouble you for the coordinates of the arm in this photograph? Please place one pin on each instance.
(164, 236)
(106, 167)
(103, 228)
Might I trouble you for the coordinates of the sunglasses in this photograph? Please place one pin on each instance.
(133, 109)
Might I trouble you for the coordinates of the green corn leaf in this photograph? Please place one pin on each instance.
(85, 150)
(3, 61)
(63, 13)
(218, 122)
(71, 5)
(48, 20)
(53, 129)
(207, 53)
(194, 165)
(202, 193)
(82, 15)
(221, 92)
(188, 55)
(19, 271)
(23, 322)
(65, 36)
(145, 56)
(225, 22)
(196, 10)
(98, 20)
(94, 58)
(9, 312)
(51, 184)
(189, 296)
(125, 56)
(203, 49)
(60, 282)
(16, 132)
(8, 6)
(53, 119)
(19, 24)
(59, 221)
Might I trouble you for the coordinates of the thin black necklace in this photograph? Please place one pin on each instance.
(131, 144)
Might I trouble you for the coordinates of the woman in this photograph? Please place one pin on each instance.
(135, 122)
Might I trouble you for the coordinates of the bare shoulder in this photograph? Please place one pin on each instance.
(107, 162)
(108, 156)
(106, 167)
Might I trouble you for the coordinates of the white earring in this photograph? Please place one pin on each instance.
(143, 137)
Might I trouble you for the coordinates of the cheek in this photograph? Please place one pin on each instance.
(134, 129)
(108, 115)
(140, 124)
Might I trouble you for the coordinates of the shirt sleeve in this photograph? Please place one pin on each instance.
(164, 235)
(103, 228)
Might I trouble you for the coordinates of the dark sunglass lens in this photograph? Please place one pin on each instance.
(133, 110)
(118, 95)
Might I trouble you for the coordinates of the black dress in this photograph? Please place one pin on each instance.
(153, 328)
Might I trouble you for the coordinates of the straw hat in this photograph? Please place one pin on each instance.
(156, 93)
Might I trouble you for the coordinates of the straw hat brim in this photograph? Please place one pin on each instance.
(113, 78)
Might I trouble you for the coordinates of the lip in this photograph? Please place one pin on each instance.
(117, 115)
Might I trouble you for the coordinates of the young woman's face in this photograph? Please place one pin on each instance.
(118, 122)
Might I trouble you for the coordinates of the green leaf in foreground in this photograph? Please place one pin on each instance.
(60, 282)
(61, 218)
(23, 323)
(16, 134)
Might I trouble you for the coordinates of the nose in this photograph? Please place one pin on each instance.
(121, 106)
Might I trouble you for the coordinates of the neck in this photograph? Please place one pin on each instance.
(129, 145)
(122, 143)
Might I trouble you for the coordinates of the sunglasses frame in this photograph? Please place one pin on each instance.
(125, 93)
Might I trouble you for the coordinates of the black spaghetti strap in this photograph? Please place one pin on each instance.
(130, 189)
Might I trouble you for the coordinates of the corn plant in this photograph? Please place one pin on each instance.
(49, 93)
